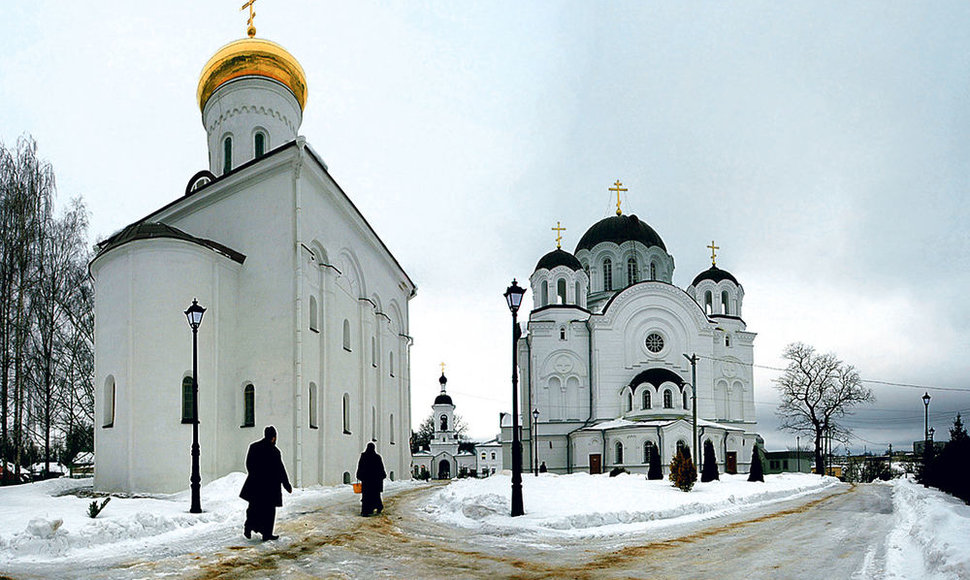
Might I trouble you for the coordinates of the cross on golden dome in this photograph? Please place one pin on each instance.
(559, 230)
(618, 187)
(250, 30)
(442, 368)
(713, 255)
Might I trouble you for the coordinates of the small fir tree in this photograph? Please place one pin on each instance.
(682, 471)
(655, 471)
(94, 509)
(710, 463)
(757, 473)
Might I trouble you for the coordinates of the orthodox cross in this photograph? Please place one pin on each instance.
(442, 368)
(713, 255)
(559, 230)
(251, 30)
(618, 187)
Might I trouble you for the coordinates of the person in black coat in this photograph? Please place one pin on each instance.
(262, 486)
(370, 472)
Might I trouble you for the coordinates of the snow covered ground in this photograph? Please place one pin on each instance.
(46, 522)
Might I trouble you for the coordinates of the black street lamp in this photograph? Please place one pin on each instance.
(535, 439)
(926, 416)
(194, 315)
(513, 296)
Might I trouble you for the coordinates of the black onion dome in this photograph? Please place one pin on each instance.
(619, 229)
(443, 399)
(559, 257)
(715, 275)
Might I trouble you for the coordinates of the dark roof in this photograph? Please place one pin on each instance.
(559, 257)
(150, 230)
(714, 274)
(656, 377)
(619, 229)
(443, 399)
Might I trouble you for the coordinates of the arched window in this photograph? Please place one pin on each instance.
(653, 270)
(727, 340)
(561, 291)
(444, 423)
(313, 406)
(346, 335)
(647, 446)
(544, 293)
(668, 399)
(579, 292)
(629, 401)
(187, 395)
(562, 333)
(346, 413)
(685, 399)
(313, 314)
(373, 424)
(391, 363)
(391, 476)
(708, 303)
(631, 271)
(346, 477)
(493, 456)
(607, 274)
(259, 144)
(227, 155)
(646, 400)
(724, 302)
(373, 351)
(108, 420)
(391, 425)
(619, 452)
(249, 406)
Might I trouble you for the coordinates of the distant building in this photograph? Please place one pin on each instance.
(789, 461)
(489, 457)
(443, 460)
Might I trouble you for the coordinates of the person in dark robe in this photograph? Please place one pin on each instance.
(370, 472)
(262, 487)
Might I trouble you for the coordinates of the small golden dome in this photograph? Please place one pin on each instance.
(252, 56)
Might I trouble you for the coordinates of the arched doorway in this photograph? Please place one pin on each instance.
(444, 469)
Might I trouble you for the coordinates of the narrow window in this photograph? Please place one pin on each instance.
(493, 456)
(187, 397)
(373, 351)
(544, 293)
(346, 477)
(391, 363)
(391, 424)
(685, 399)
(668, 400)
(561, 291)
(619, 453)
(313, 314)
(346, 335)
(631, 271)
(727, 340)
(444, 423)
(708, 303)
(724, 302)
(629, 401)
(109, 402)
(646, 451)
(646, 400)
(227, 155)
(562, 333)
(346, 413)
(373, 424)
(653, 270)
(483, 456)
(578, 294)
(313, 406)
(607, 274)
(259, 144)
(249, 406)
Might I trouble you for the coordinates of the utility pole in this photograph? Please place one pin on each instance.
(693, 399)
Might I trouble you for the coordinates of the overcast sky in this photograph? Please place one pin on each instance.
(824, 146)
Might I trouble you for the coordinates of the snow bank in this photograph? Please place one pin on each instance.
(930, 536)
(582, 505)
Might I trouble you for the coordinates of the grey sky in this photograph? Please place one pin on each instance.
(824, 146)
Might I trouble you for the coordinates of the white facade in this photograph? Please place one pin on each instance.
(442, 459)
(606, 367)
(306, 326)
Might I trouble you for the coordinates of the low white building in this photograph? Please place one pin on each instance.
(306, 322)
(488, 457)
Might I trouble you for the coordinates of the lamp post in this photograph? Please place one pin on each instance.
(194, 315)
(926, 417)
(535, 439)
(798, 450)
(693, 399)
(513, 296)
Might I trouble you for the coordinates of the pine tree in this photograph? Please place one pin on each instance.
(682, 471)
(757, 473)
(710, 463)
(958, 432)
(655, 471)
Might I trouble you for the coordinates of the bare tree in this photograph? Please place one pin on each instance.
(817, 390)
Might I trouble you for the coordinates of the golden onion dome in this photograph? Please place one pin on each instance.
(252, 57)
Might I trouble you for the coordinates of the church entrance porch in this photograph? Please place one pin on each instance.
(731, 462)
(444, 469)
(595, 464)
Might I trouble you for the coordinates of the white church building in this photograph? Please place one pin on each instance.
(604, 358)
(442, 459)
(306, 321)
